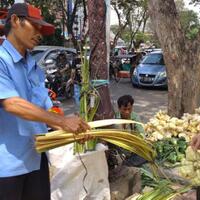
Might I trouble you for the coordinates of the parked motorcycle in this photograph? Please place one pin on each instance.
(59, 81)
(114, 70)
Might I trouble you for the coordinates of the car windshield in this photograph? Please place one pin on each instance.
(37, 54)
(153, 59)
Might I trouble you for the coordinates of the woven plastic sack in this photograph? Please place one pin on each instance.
(68, 178)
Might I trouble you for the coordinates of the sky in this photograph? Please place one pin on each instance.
(192, 7)
(114, 20)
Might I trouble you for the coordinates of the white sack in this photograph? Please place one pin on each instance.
(67, 180)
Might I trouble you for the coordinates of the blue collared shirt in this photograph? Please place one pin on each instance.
(20, 77)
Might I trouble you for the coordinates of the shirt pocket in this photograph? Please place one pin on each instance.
(39, 94)
(40, 97)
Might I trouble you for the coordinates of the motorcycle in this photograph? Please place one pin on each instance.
(122, 66)
(114, 70)
(59, 82)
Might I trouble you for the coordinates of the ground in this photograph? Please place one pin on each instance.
(147, 101)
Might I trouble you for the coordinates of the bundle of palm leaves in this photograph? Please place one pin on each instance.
(118, 137)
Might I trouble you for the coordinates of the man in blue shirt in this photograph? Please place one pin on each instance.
(24, 103)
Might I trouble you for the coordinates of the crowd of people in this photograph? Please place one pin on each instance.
(24, 104)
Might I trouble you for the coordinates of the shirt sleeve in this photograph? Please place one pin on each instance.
(7, 86)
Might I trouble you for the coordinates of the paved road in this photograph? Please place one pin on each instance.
(147, 101)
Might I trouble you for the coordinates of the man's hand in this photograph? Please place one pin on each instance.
(29, 111)
(74, 124)
(195, 144)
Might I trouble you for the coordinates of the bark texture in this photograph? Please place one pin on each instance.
(182, 58)
(99, 51)
(97, 34)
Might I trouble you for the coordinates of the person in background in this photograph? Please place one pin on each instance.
(76, 77)
(125, 111)
(132, 51)
(24, 101)
(123, 51)
(122, 163)
(132, 59)
(62, 61)
(62, 74)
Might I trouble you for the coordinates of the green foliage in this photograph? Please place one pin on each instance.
(125, 34)
(171, 150)
(121, 4)
(142, 38)
(49, 12)
(6, 3)
(132, 16)
(56, 39)
(190, 23)
(114, 28)
(193, 33)
(180, 5)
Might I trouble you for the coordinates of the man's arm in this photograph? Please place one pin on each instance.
(29, 111)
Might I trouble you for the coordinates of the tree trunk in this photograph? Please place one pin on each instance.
(182, 58)
(145, 23)
(99, 54)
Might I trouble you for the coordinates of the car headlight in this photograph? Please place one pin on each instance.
(135, 72)
(163, 74)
